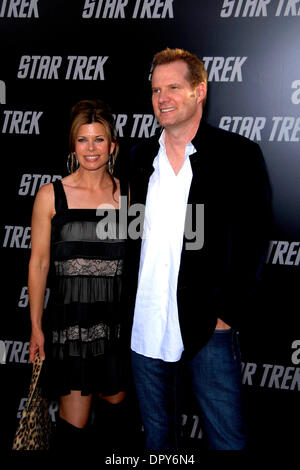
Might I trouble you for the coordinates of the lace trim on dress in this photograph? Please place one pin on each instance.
(89, 267)
(74, 333)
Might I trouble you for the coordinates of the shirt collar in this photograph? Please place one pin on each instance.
(189, 149)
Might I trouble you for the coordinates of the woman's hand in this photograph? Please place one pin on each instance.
(36, 344)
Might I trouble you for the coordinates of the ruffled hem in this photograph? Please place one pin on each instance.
(106, 374)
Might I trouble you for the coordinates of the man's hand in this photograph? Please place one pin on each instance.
(221, 325)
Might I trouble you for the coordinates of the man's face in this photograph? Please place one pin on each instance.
(175, 102)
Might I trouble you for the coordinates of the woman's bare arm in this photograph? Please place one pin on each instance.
(43, 211)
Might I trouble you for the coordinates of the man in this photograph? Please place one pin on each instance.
(190, 297)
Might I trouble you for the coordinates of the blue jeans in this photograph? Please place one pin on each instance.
(216, 379)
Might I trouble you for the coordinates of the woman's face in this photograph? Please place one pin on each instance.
(92, 146)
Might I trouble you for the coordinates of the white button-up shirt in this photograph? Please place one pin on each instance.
(156, 331)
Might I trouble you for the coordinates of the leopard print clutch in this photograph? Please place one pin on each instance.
(35, 426)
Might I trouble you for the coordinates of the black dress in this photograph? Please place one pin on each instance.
(83, 344)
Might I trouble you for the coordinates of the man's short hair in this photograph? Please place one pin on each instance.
(197, 72)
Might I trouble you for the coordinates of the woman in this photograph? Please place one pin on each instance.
(83, 354)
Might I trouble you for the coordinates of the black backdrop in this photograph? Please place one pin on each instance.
(55, 52)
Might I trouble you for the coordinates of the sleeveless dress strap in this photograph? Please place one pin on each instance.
(61, 203)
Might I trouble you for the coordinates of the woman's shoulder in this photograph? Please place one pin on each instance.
(45, 191)
(44, 200)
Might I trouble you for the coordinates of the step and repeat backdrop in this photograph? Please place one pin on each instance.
(55, 52)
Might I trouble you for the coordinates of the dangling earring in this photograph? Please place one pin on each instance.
(111, 164)
(72, 162)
